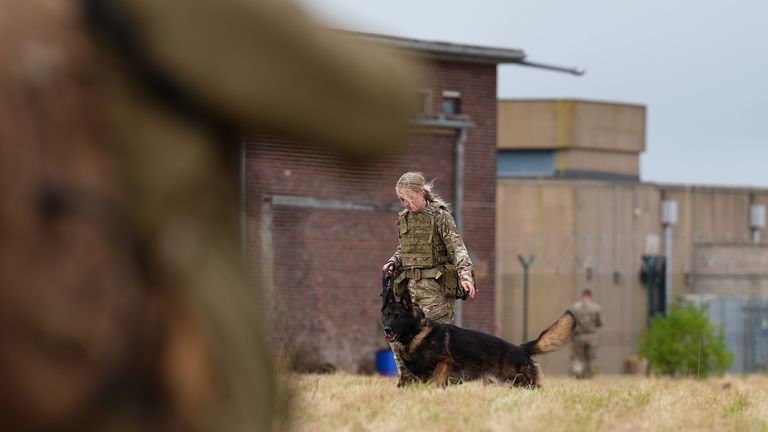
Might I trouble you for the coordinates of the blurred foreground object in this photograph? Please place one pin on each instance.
(124, 303)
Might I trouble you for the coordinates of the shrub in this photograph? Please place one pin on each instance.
(685, 343)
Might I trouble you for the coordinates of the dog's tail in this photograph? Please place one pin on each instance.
(554, 337)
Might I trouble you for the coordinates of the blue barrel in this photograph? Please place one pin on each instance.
(385, 363)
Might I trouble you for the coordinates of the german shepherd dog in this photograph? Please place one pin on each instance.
(442, 353)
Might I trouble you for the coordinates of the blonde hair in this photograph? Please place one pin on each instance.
(414, 181)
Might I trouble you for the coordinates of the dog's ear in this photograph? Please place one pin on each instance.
(417, 312)
(406, 299)
(389, 296)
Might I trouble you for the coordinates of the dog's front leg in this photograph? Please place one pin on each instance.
(441, 373)
(404, 375)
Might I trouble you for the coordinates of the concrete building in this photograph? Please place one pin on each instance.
(569, 193)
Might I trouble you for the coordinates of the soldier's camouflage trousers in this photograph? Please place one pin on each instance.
(583, 349)
(430, 296)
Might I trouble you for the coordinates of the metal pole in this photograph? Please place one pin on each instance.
(667, 268)
(525, 305)
(651, 284)
(668, 218)
(526, 265)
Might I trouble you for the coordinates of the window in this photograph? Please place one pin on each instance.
(525, 163)
(451, 102)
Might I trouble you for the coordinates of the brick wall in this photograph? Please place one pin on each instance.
(323, 259)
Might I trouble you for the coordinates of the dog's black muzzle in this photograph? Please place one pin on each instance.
(389, 335)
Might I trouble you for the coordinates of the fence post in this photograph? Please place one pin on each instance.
(526, 265)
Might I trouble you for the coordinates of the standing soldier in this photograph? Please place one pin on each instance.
(433, 262)
(585, 338)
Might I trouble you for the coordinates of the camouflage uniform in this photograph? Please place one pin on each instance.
(432, 261)
(585, 338)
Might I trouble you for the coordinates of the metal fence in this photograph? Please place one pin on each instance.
(745, 326)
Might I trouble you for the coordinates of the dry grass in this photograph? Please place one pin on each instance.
(613, 403)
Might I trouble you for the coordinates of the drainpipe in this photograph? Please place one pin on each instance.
(458, 200)
(461, 126)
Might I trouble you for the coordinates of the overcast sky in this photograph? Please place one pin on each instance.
(700, 67)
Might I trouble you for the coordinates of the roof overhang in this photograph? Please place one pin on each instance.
(449, 51)
(459, 52)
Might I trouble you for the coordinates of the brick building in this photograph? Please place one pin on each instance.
(319, 228)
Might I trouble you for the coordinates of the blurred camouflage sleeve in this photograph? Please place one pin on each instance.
(456, 250)
(397, 257)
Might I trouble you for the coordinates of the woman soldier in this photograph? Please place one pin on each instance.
(431, 257)
(432, 260)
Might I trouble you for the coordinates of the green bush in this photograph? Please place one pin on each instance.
(685, 343)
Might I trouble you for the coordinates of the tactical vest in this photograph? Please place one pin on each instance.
(420, 241)
(587, 316)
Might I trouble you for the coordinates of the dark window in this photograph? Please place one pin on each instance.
(451, 102)
(452, 105)
(525, 163)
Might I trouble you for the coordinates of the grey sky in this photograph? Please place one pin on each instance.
(700, 67)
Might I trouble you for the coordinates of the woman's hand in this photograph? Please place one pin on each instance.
(469, 287)
(389, 268)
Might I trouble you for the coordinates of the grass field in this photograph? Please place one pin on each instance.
(341, 402)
